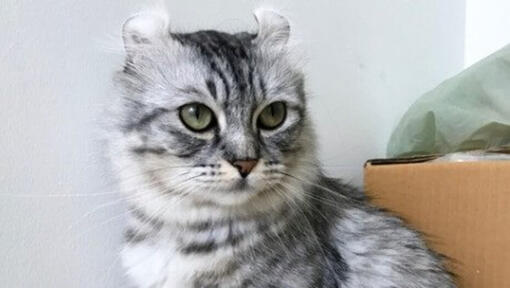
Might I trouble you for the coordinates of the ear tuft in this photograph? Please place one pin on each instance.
(274, 29)
(144, 28)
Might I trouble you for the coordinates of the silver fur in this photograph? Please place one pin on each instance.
(195, 222)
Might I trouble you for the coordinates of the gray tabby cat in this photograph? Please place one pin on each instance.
(216, 155)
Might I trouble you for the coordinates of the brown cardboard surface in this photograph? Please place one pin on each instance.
(463, 209)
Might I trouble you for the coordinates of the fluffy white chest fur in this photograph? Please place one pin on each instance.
(145, 264)
(160, 266)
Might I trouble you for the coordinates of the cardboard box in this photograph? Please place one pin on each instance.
(462, 208)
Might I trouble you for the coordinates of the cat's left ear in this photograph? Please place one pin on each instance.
(274, 29)
(143, 29)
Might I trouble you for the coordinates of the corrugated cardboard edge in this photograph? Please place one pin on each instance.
(425, 158)
(403, 160)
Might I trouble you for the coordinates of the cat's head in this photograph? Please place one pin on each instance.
(212, 118)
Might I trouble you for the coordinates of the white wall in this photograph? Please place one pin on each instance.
(368, 60)
(487, 28)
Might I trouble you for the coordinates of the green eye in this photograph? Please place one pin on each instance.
(196, 117)
(272, 116)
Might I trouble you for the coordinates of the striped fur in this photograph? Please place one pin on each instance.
(195, 222)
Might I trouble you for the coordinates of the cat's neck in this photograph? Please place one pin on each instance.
(202, 228)
(223, 246)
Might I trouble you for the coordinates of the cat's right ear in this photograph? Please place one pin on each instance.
(274, 29)
(144, 29)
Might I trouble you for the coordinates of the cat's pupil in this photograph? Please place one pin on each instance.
(195, 110)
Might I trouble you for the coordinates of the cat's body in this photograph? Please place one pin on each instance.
(216, 155)
(324, 243)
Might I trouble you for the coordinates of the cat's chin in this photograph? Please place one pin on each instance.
(246, 204)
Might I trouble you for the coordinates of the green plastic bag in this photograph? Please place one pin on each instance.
(467, 112)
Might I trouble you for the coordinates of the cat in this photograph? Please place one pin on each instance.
(216, 157)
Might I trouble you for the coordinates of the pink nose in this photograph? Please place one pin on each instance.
(245, 166)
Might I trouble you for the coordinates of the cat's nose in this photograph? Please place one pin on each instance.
(245, 166)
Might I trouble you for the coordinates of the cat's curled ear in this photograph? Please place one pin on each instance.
(143, 29)
(273, 29)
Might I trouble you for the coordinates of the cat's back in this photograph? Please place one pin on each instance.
(378, 248)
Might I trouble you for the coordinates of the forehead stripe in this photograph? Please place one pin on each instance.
(211, 87)
(228, 56)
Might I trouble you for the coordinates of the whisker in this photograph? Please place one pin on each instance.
(111, 219)
(132, 197)
(310, 206)
(102, 206)
(84, 195)
(323, 188)
(58, 195)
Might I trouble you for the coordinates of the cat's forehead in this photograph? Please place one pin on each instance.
(217, 42)
(232, 71)
(231, 53)
(228, 63)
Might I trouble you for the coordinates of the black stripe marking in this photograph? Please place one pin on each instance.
(211, 87)
(140, 215)
(226, 85)
(132, 236)
(262, 85)
(233, 239)
(200, 248)
(205, 43)
(149, 150)
(185, 145)
(146, 119)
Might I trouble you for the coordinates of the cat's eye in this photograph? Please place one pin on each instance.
(196, 117)
(272, 116)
